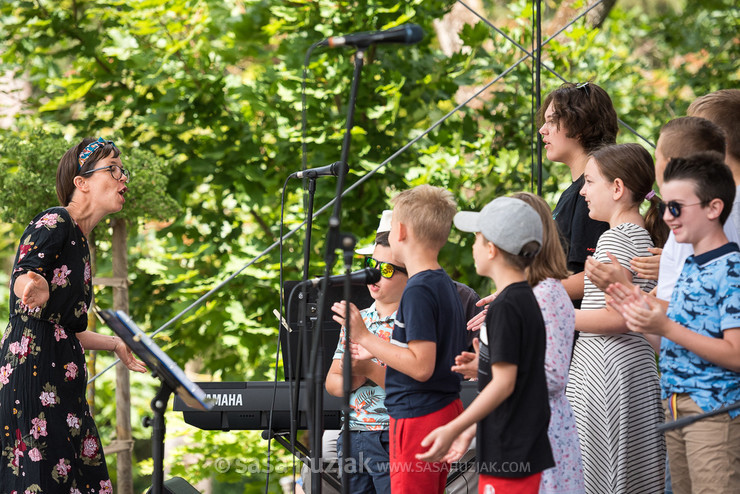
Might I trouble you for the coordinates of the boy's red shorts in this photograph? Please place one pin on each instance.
(409, 475)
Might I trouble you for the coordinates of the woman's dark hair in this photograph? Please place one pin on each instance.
(587, 113)
(633, 165)
(712, 178)
(69, 166)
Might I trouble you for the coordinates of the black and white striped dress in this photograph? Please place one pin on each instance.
(614, 390)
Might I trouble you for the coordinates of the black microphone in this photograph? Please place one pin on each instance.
(406, 34)
(322, 171)
(366, 276)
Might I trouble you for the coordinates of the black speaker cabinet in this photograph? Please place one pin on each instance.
(360, 297)
(177, 485)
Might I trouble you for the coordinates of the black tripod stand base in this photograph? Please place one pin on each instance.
(177, 485)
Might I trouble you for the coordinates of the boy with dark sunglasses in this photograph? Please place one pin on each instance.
(700, 350)
(679, 138)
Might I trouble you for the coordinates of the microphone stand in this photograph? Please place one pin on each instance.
(315, 377)
(156, 422)
(684, 421)
(348, 244)
(303, 316)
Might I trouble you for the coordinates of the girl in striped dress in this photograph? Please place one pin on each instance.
(613, 386)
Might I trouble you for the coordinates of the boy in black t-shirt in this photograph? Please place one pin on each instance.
(422, 392)
(511, 411)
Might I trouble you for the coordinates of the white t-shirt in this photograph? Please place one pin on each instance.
(674, 254)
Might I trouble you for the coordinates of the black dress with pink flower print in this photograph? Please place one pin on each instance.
(50, 443)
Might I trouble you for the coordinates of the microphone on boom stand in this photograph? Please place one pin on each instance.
(406, 34)
(323, 171)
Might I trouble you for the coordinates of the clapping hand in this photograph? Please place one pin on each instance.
(477, 320)
(359, 352)
(446, 445)
(602, 274)
(643, 313)
(357, 328)
(647, 267)
(467, 362)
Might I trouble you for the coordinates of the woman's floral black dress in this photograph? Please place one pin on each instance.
(49, 440)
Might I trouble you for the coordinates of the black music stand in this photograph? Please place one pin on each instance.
(173, 379)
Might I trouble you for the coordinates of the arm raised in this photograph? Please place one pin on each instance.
(416, 361)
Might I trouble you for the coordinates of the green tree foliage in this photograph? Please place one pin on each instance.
(28, 165)
(213, 89)
(30, 162)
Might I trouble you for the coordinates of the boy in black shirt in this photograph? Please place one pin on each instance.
(511, 410)
(422, 392)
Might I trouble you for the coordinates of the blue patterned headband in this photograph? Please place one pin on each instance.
(90, 149)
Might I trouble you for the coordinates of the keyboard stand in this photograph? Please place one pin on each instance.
(328, 474)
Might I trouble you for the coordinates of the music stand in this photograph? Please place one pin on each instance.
(172, 378)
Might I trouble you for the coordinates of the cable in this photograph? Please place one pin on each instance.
(533, 105)
(277, 352)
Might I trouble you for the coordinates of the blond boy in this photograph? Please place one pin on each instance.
(422, 392)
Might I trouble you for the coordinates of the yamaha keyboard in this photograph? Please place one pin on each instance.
(246, 406)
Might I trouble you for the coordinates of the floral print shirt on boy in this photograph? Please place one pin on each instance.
(368, 401)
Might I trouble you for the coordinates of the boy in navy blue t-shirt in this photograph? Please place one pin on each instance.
(422, 392)
(511, 412)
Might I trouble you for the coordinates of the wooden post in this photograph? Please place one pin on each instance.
(91, 325)
(125, 482)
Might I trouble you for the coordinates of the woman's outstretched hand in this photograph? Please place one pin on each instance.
(128, 358)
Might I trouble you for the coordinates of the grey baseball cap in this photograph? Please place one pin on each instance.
(507, 222)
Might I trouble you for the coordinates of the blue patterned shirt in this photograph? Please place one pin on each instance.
(368, 401)
(706, 300)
